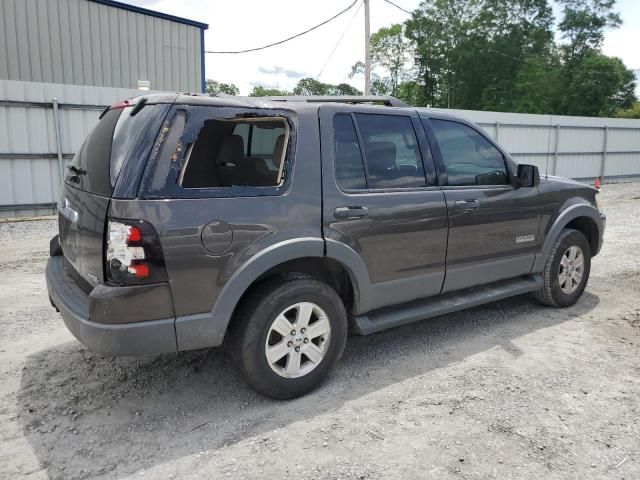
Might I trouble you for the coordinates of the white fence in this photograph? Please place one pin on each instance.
(41, 127)
(38, 135)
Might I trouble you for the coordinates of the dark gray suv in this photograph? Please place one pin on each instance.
(279, 225)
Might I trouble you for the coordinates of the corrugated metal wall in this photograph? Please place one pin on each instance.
(575, 147)
(29, 169)
(81, 42)
(30, 174)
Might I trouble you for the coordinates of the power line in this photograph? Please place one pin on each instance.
(398, 6)
(340, 40)
(289, 38)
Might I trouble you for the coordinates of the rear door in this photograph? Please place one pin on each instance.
(380, 198)
(492, 224)
(91, 179)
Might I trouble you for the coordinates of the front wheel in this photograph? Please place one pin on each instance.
(566, 271)
(288, 335)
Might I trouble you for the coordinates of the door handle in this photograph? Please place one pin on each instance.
(350, 212)
(467, 204)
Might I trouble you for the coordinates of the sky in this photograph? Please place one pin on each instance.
(240, 24)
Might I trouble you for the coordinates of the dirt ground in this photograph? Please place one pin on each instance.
(508, 390)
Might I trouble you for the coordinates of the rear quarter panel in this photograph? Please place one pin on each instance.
(197, 276)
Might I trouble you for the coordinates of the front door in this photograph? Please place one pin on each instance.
(492, 224)
(380, 198)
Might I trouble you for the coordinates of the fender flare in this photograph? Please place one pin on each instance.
(268, 258)
(208, 329)
(357, 270)
(570, 213)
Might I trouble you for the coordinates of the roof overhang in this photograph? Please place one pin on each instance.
(152, 13)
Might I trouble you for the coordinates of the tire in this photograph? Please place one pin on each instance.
(555, 293)
(254, 333)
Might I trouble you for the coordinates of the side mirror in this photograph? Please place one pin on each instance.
(528, 176)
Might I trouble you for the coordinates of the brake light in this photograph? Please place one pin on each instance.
(134, 235)
(133, 253)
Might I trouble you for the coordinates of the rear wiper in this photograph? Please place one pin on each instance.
(77, 170)
(75, 173)
(139, 106)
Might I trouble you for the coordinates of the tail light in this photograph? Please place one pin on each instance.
(133, 254)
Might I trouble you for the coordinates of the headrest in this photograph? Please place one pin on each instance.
(231, 150)
(381, 157)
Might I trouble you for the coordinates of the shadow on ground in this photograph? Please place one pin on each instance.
(86, 415)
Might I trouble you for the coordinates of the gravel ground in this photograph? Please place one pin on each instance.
(508, 390)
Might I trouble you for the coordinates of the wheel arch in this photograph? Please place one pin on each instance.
(582, 217)
(340, 267)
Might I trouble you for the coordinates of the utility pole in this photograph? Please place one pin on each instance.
(367, 50)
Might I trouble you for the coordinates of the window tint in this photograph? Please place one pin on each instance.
(126, 135)
(89, 168)
(470, 158)
(349, 166)
(230, 153)
(391, 151)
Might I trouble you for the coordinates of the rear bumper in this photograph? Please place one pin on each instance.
(77, 309)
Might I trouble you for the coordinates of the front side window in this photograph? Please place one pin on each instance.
(470, 159)
(389, 156)
(236, 152)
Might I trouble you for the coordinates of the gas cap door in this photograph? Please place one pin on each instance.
(217, 236)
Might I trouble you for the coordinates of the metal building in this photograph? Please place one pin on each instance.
(100, 43)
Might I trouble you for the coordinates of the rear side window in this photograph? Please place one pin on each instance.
(236, 152)
(389, 156)
(470, 159)
(391, 151)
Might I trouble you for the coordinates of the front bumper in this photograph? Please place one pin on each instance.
(80, 312)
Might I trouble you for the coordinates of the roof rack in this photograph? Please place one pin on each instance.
(354, 99)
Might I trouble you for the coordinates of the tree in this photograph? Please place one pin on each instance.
(411, 93)
(584, 23)
(600, 86)
(344, 89)
(468, 52)
(537, 85)
(378, 85)
(633, 112)
(390, 52)
(259, 91)
(591, 83)
(213, 88)
(311, 86)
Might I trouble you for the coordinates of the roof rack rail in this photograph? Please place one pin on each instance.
(354, 99)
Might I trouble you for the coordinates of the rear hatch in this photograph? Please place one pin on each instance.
(91, 179)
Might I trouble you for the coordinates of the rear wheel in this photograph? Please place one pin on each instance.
(566, 271)
(288, 335)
